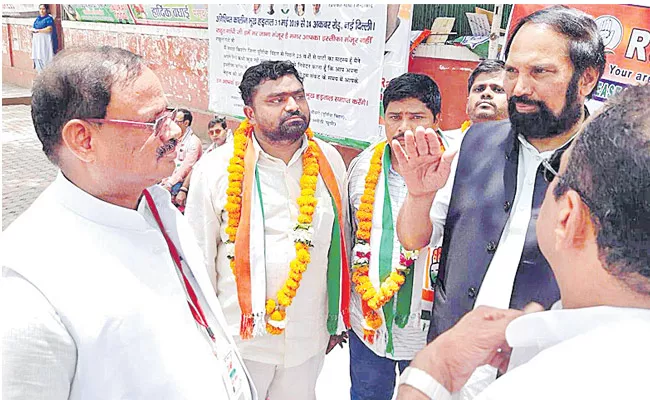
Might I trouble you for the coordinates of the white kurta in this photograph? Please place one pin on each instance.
(306, 333)
(598, 353)
(42, 47)
(98, 309)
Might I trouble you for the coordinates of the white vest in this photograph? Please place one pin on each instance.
(109, 276)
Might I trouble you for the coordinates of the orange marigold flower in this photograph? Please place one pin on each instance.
(363, 235)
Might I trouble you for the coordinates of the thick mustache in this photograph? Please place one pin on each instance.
(295, 114)
(167, 147)
(525, 100)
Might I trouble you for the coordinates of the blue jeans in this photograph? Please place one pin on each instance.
(372, 376)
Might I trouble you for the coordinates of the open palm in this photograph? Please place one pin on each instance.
(423, 164)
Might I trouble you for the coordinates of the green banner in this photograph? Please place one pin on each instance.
(185, 15)
(115, 13)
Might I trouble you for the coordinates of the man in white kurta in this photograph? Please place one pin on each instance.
(104, 291)
(409, 100)
(283, 366)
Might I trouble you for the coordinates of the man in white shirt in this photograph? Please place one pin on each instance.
(278, 191)
(104, 292)
(188, 152)
(488, 207)
(409, 100)
(594, 228)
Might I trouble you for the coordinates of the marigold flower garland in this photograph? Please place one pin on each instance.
(372, 298)
(302, 232)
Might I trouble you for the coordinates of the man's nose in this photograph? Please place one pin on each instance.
(487, 94)
(291, 105)
(522, 86)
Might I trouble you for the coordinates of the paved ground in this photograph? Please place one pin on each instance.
(25, 169)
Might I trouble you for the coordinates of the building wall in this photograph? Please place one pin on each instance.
(180, 57)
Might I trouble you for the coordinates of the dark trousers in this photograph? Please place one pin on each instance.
(372, 376)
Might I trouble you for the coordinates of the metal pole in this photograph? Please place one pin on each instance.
(495, 31)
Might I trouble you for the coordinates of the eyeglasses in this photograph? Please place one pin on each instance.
(551, 168)
(157, 125)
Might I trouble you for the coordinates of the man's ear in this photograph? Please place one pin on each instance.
(250, 114)
(588, 81)
(573, 222)
(78, 137)
(437, 120)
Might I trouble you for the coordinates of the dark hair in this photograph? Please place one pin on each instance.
(485, 67)
(586, 48)
(187, 115)
(258, 74)
(217, 120)
(416, 86)
(47, 7)
(610, 167)
(78, 84)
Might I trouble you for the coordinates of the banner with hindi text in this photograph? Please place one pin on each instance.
(337, 48)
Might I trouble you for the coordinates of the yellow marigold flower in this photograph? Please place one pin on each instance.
(367, 295)
(375, 323)
(397, 277)
(393, 287)
(277, 315)
(296, 276)
(231, 207)
(308, 181)
(290, 292)
(233, 191)
(307, 191)
(303, 256)
(365, 226)
(307, 210)
(304, 219)
(363, 235)
(292, 284)
(366, 207)
(283, 299)
(231, 230)
(270, 306)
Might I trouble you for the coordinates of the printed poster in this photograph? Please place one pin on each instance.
(337, 48)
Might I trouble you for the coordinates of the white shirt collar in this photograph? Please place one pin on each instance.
(548, 328)
(99, 211)
(261, 154)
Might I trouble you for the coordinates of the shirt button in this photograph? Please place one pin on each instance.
(506, 206)
(471, 292)
(491, 246)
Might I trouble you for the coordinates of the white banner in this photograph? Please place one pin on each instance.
(337, 48)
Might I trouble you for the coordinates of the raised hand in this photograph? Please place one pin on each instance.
(423, 165)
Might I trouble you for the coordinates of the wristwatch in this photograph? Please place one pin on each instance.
(425, 383)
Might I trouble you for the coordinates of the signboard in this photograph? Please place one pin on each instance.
(184, 15)
(115, 13)
(335, 47)
(625, 30)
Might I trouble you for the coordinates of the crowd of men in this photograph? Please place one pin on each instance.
(283, 252)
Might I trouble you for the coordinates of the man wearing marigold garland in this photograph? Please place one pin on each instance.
(266, 209)
(388, 326)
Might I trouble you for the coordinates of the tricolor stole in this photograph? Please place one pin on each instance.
(250, 268)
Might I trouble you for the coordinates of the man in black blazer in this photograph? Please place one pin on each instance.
(489, 207)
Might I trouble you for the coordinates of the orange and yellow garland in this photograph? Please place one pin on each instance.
(372, 298)
(275, 310)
